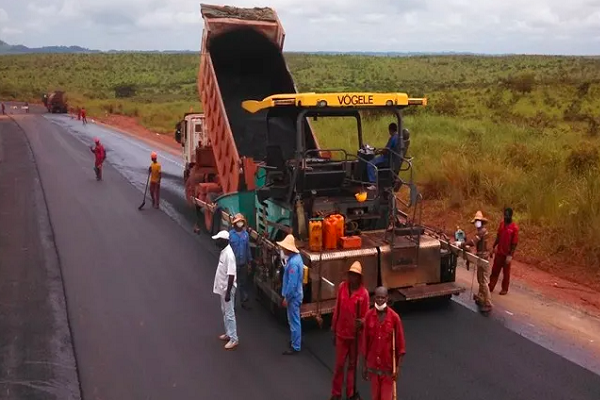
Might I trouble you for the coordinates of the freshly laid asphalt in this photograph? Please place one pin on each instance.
(145, 322)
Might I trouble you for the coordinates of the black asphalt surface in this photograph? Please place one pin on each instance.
(145, 321)
(36, 353)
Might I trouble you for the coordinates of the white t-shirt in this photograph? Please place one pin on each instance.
(226, 267)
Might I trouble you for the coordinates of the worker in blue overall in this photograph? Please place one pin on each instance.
(239, 239)
(383, 159)
(292, 290)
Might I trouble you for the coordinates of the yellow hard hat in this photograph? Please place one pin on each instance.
(361, 196)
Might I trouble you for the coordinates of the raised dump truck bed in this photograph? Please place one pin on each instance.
(242, 59)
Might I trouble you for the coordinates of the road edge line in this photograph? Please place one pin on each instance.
(52, 254)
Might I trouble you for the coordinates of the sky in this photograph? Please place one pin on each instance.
(481, 26)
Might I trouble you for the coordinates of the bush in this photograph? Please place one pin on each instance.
(522, 83)
(583, 160)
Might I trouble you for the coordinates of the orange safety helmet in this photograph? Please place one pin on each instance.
(153, 155)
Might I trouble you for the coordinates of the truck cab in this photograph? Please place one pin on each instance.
(191, 134)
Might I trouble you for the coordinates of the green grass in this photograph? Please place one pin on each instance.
(515, 130)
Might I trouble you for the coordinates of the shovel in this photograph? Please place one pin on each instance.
(356, 395)
(145, 192)
(394, 394)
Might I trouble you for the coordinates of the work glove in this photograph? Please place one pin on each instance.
(508, 259)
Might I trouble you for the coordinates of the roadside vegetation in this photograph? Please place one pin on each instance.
(516, 130)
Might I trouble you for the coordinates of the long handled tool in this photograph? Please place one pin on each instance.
(394, 394)
(145, 192)
(356, 395)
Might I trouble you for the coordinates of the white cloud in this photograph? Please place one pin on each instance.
(3, 16)
(538, 26)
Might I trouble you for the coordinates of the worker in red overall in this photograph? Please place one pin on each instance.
(345, 327)
(100, 154)
(83, 115)
(383, 347)
(504, 249)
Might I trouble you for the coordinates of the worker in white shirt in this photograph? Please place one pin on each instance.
(225, 286)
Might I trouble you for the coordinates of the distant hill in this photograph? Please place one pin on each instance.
(6, 48)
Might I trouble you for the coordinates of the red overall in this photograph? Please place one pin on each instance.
(377, 350)
(508, 236)
(100, 157)
(343, 326)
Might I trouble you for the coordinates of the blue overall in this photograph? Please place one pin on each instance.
(382, 159)
(240, 243)
(292, 293)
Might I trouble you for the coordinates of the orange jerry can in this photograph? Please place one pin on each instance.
(350, 242)
(315, 234)
(333, 230)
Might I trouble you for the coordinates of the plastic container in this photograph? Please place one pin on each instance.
(350, 242)
(315, 234)
(333, 230)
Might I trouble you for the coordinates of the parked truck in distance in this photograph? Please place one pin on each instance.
(56, 102)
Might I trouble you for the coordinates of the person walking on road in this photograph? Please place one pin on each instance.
(504, 249)
(225, 287)
(100, 154)
(240, 243)
(345, 327)
(383, 347)
(292, 290)
(479, 242)
(83, 115)
(3, 109)
(155, 171)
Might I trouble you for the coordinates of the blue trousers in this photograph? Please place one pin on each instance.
(293, 315)
(380, 159)
(242, 282)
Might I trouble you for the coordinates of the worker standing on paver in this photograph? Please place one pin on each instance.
(292, 290)
(383, 347)
(504, 249)
(240, 243)
(483, 298)
(345, 327)
(100, 154)
(225, 287)
(155, 171)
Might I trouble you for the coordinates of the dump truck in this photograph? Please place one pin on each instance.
(260, 157)
(55, 102)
